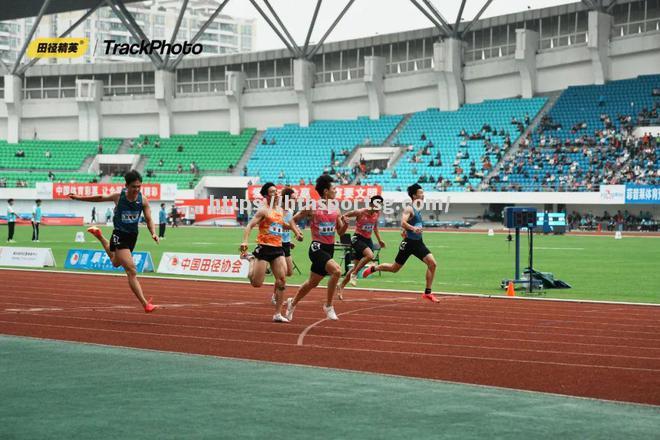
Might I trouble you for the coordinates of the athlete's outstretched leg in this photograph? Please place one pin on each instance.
(96, 232)
(125, 259)
(313, 281)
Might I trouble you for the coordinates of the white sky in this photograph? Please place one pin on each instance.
(365, 17)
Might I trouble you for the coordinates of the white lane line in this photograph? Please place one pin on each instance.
(307, 329)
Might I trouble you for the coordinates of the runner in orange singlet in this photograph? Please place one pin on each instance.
(270, 220)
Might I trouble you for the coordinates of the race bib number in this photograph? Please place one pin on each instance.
(275, 229)
(327, 229)
(130, 216)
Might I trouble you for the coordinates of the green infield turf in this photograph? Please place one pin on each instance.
(598, 267)
(62, 390)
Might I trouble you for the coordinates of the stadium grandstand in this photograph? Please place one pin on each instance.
(554, 111)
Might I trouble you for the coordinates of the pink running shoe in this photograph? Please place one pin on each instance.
(368, 271)
(149, 307)
(96, 232)
(430, 297)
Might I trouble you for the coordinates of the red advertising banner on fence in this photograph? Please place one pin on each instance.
(62, 190)
(204, 210)
(344, 192)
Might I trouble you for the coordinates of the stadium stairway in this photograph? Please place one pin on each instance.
(252, 146)
(552, 99)
(400, 126)
(443, 129)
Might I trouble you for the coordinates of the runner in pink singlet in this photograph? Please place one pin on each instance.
(362, 246)
(325, 221)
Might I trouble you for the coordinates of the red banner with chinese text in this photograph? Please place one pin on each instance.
(344, 192)
(62, 190)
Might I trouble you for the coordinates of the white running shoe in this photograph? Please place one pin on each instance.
(353, 280)
(279, 318)
(330, 313)
(289, 309)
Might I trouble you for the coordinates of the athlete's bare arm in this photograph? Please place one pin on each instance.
(147, 217)
(258, 216)
(108, 198)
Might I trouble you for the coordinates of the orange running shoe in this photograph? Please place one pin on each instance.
(430, 297)
(149, 307)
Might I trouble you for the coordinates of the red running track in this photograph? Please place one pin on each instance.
(604, 351)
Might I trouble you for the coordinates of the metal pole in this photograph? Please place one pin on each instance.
(460, 15)
(42, 11)
(286, 31)
(436, 23)
(199, 34)
(440, 18)
(32, 62)
(476, 17)
(176, 29)
(611, 6)
(322, 40)
(311, 26)
(137, 29)
(274, 28)
(517, 277)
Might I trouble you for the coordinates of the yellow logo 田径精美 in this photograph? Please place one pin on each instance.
(58, 47)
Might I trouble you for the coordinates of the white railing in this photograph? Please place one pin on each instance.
(191, 88)
(485, 53)
(269, 82)
(413, 65)
(564, 40)
(635, 27)
(330, 76)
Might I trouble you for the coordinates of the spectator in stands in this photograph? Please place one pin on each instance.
(51, 176)
(281, 175)
(394, 175)
(426, 151)
(146, 140)
(179, 149)
(100, 149)
(264, 141)
(332, 156)
(231, 167)
(179, 169)
(193, 168)
(11, 221)
(150, 173)
(431, 163)
(527, 120)
(3, 182)
(191, 184)
(19, 153)
(245, 170)
(161, 163)
(48, 154)
(272, 141)
(157, 143)
(423, 137)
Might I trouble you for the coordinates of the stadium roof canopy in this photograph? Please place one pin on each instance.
(12, 9)
(446, 28)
